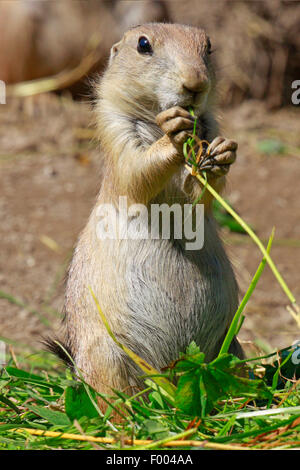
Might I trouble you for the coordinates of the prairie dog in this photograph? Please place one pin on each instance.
(156, 295)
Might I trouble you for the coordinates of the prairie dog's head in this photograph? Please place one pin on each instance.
(156, 66)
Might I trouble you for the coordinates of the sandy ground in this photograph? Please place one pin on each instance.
(49, 177)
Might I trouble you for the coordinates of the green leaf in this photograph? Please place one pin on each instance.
(189, 362)
(192, 349)
(32, 378)
(154, 429)
(187, 397)
(271, 146)
(9, 403)
(56, 418)
(201, 386)
(78, 403)
(156, 399)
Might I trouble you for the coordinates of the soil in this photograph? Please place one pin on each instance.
(51, 171)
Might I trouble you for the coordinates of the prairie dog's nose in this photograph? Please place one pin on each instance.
(195, 82)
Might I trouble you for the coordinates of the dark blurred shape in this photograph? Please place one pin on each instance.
(42, 38)
(257, 43)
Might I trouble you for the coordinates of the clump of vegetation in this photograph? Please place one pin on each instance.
(221, 405)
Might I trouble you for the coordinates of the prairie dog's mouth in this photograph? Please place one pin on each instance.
(198, 107)
(197, 102)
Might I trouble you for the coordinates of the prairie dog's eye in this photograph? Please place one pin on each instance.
(144, 46)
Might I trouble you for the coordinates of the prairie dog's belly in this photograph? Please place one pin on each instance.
(156, 296)
(174, 298)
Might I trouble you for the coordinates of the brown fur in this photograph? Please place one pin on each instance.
(156, 295)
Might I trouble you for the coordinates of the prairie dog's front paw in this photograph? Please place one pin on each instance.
(221, 154)
(177, 123)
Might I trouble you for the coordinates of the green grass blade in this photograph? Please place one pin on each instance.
(164, 383)
(256, 240)
(235, 324)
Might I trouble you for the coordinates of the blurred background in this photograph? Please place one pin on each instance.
(51, 52)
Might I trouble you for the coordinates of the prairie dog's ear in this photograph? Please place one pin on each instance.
(114, 51)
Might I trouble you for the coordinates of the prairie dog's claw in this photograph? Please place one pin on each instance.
(177, 123)
(221, 153)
